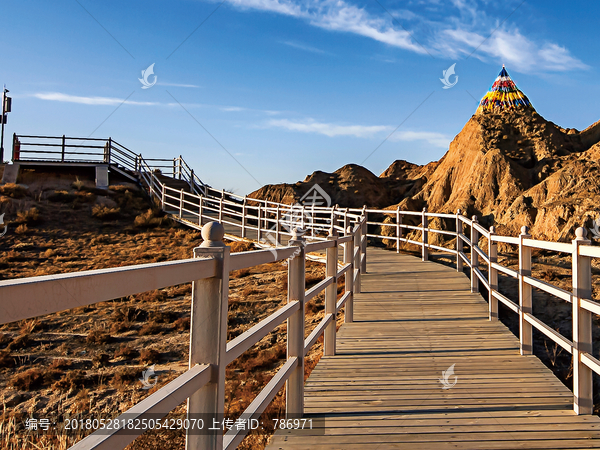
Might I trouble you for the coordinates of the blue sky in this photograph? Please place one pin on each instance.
(252, 92)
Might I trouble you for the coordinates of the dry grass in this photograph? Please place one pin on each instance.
(103, 212)
(91, 358)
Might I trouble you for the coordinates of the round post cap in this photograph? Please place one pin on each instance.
(212, 235)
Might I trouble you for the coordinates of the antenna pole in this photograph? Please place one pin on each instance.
(3, 120)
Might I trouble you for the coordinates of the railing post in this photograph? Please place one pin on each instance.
(312, 220)
(583, 398)
(192, 190)
(278, 225)
(363, 242)
(349, 277)
(258, 228)
(398, 229)
(525, 329)
(244, 218)
(162, 193)
(180, 167)
(333, 219)
(331, 268)
(62, 153)
(108, 150)
(356, 255)
(181, 203)
(492, 275)
(200, 210)
(346, 219)
(15, 148)
(474, 256)
(294, 395)
(425, 235)
(459, 242)
(221, 206)
(174, 167)
(208, 337)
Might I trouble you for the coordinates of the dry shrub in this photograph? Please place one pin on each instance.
(13, 190)
(150, 328)
(182, 324)
(126, 351)
(19, 343)
(241, 246)
(118, 327)
(265, 360)
(85, 197)
(77, 184)
(240, 273)
(125, 375)
(49, 253)
(100, 360)
(129, 314)
(98, 337)
(103, 212)
(31, 326)
(312, 308)
(312, 279)
(30, 217)
(22, 229)
(71, 380)
(250, 290)
(61, 197)
(165, 316)
(28, 380)
(60, 363)
(6, 360)
(152, 218)
(149, 356)
(4, 338)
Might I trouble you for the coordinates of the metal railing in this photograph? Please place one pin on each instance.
(64, 149)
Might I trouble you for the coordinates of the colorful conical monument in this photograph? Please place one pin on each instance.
(504, 95)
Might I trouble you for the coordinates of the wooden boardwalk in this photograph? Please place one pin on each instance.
(413, 320)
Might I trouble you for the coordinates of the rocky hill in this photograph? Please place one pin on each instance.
(510, 168)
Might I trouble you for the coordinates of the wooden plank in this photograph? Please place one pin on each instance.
(414, 320)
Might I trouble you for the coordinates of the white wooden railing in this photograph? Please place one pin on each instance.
(583, 305)
(203, 385)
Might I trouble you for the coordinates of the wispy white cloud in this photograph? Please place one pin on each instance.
(104, 101)
(337, 15)
(243, 109)
(178, 85)
(455, 30)
(305, 47)
(61, 97)
(328, 129)
(433, 138)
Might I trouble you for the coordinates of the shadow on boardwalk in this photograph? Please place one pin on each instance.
(413, 321)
